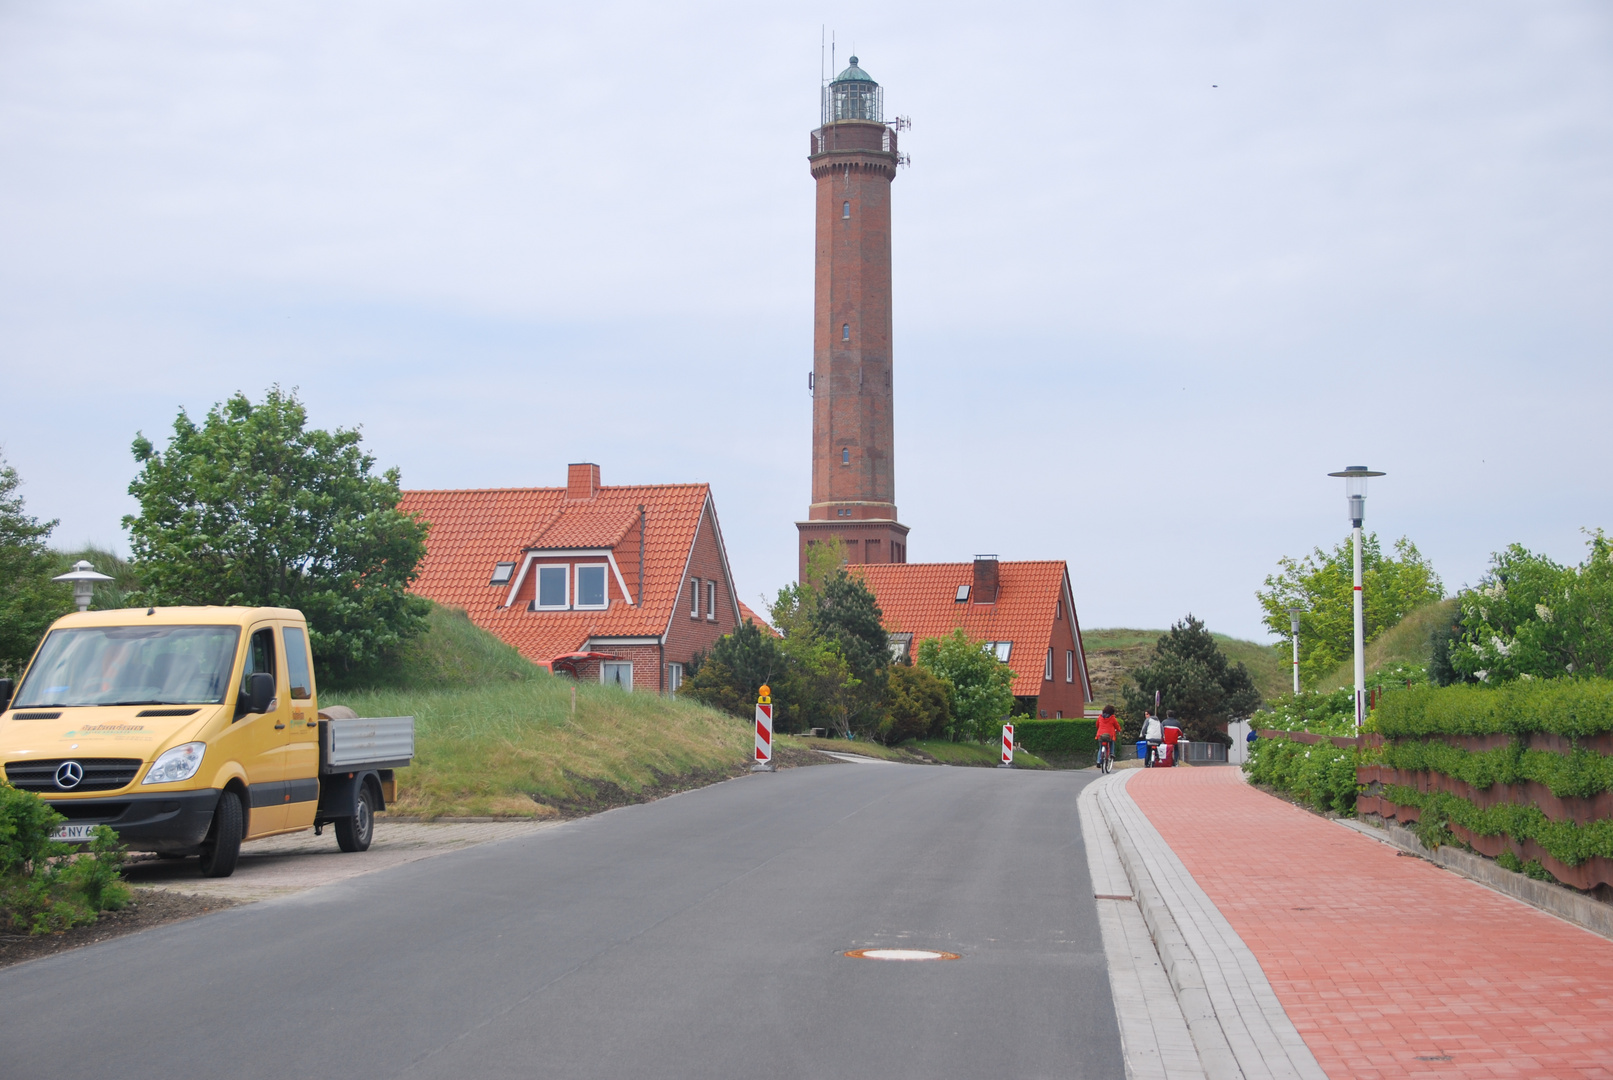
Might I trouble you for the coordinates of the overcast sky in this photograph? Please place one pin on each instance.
(1158, 267)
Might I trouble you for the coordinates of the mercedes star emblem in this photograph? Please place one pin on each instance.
(70, 774)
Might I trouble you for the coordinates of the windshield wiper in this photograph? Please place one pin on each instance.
(109, 704)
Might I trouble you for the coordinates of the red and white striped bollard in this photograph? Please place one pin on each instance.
(1008, 747)
(764, 732)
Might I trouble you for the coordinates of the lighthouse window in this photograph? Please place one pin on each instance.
(845, 209)
(845, 331)
(845, 455)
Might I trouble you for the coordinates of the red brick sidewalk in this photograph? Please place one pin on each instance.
(1387, 964)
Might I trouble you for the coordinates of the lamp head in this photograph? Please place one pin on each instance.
(83, 577)
(1355, 490)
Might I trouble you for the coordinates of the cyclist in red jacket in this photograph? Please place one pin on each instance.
(1108, 731)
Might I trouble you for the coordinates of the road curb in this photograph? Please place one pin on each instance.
(1236, 1022)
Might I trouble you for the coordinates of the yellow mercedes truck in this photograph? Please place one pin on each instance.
(189, 730)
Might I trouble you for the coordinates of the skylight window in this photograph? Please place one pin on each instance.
(999, 649)
(963, 594)
(502, 572)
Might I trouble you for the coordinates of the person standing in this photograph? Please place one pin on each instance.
(1172, 735)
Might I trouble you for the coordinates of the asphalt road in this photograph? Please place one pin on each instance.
(700, 936)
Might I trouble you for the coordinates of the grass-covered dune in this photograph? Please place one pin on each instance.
(1112, 654)
(495, 735)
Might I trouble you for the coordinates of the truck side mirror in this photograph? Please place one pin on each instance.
(6, 688)
(260, 691)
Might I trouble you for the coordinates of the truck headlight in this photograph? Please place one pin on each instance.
(177, 764)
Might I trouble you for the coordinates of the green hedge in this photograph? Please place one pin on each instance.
(1575, 708)
(1320, 774)
(1060, 738)
(1580, 774)
(1564, 840)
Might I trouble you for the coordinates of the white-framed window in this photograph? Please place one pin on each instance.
(553, 588)
(502, 572)
(999, 649)
(617, 673)
(1069, 665)
(674, 677)
(1047, 673)
(694, 598)
(711, 601)
(963, 594)
(591, 585)
(845, 209)
(1058, 611)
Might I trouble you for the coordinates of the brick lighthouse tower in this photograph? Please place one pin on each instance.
(854, 160)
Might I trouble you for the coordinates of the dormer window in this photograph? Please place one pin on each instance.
(591, 586)
(502, 572)
(552, 591)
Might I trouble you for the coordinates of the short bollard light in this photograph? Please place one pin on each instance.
(83, 576)
(764, 731)
(1008, 747)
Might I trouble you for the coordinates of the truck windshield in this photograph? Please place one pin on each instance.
(130, 665)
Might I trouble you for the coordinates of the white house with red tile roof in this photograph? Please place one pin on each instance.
(1024, 611)
(620, 584)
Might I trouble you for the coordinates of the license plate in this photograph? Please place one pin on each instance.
(69, 834)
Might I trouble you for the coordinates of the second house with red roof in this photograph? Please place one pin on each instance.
(617, 584)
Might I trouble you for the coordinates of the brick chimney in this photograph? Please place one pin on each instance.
(582, 481)
(985, 590)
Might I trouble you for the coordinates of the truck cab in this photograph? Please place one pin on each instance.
(187, 730)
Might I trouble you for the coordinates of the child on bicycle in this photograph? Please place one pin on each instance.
(1108, 732)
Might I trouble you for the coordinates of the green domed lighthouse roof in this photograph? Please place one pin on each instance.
(854, 74)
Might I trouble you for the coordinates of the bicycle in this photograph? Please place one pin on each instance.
(1106, 756)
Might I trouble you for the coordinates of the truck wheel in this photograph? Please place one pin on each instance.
(355, 833)
(223, 844)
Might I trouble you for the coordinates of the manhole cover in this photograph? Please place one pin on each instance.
(901, 954)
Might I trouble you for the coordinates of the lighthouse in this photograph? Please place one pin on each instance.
(853, 159)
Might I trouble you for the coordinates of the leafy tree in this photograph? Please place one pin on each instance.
(1532, 618)
(739, 664)
(835, 645)
(918, 704)
(29, 600)
(1194, 679)
(1322, 584)
(254, 507)
(982, 692)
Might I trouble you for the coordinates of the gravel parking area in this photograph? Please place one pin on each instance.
(288, 864)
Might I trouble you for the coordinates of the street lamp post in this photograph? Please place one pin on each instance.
(1355, 491)
(1293, 626)
(83, 576)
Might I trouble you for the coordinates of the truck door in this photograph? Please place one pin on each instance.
(302, 736)
(263, 750)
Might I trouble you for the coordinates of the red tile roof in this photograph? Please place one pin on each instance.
(920, 599)
(471, 530)
(746, 613)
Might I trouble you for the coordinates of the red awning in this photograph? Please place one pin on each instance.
(569, 662)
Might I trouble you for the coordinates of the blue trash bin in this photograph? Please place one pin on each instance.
(1142, 749)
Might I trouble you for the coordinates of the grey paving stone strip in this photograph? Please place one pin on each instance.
(1154, 1039)
(1238, 1026)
